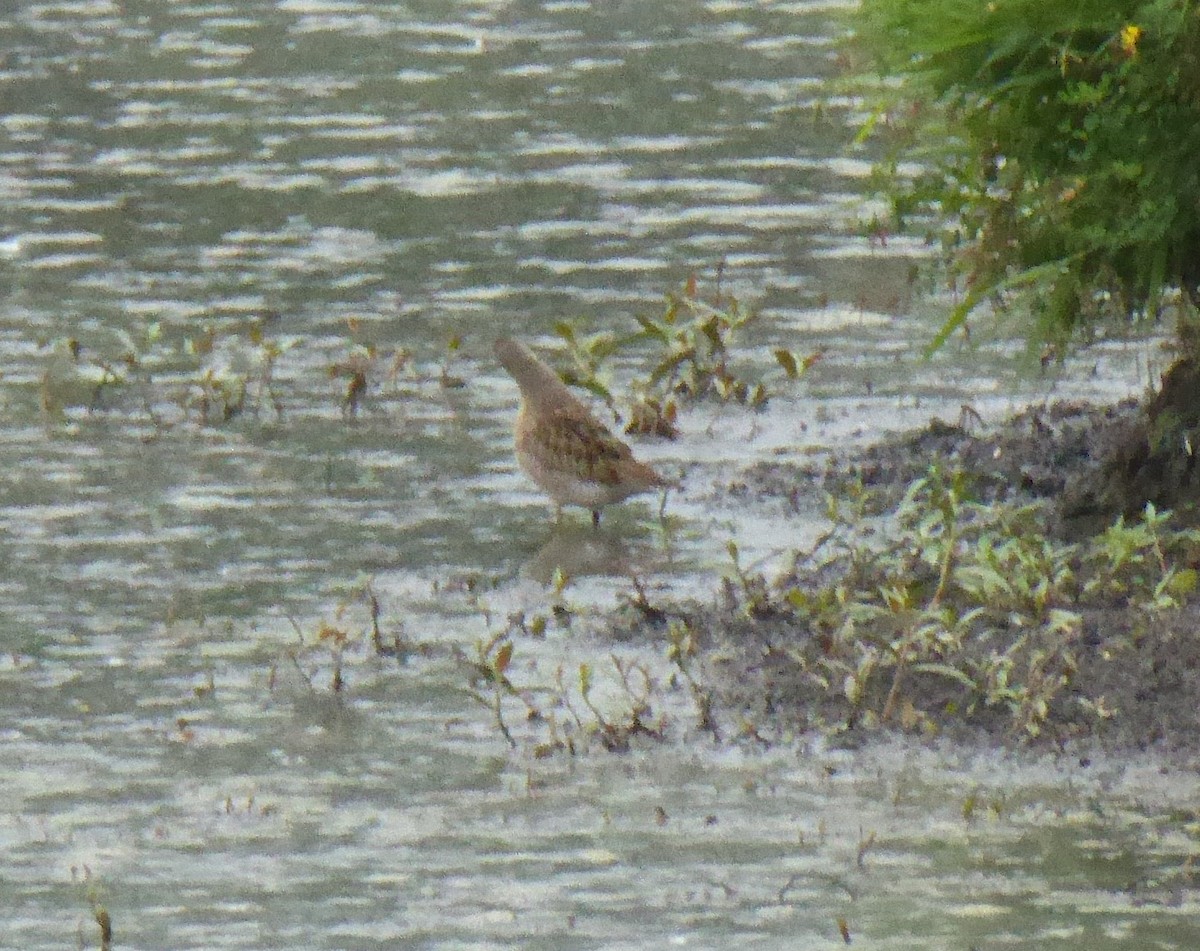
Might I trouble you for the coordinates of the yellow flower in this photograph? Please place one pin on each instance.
(1130, 35)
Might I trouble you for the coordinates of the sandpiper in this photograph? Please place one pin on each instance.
(569, 453)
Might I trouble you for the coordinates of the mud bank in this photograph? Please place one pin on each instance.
(769, 658)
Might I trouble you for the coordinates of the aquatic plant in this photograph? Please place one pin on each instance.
(615, 730)
(93, 895)
(235, 370)
(79, 375)
(363, 365)
(697, 338)
(568, 713)
(561, 712)
(229, 370)
(488, 681)
(354, 622)
(681, 649)
(356, 369)
(692, 357)
(446, 378)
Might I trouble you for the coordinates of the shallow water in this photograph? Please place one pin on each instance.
(201, 195)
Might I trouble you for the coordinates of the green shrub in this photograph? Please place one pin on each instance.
(1058, 141)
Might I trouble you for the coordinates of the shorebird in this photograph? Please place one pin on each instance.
(562, 447)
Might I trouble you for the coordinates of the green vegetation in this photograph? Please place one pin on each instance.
(1057, 142)
(936, 612)
(692, 358)
(563, 712)
(964, 610)
(224, 372)
(93, 895)
(221, 374)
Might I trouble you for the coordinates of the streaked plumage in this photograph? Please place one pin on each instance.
(569, 453)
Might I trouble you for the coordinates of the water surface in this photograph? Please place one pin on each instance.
(201, 198)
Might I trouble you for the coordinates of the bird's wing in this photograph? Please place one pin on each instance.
(579, 443)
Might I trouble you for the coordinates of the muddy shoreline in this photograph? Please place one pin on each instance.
(1133, 682)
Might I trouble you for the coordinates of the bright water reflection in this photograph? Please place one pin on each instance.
(390, 175)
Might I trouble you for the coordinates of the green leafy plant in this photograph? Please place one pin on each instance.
(1057, 145)
(489, 679)
(681, 651)
(965, 608)
(356, 368)
(94, 895)
(693, 356)
(562, 715)
(1145, 556)
(696, 340)
(235, 371)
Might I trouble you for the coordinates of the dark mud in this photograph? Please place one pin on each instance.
(1142, 670)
